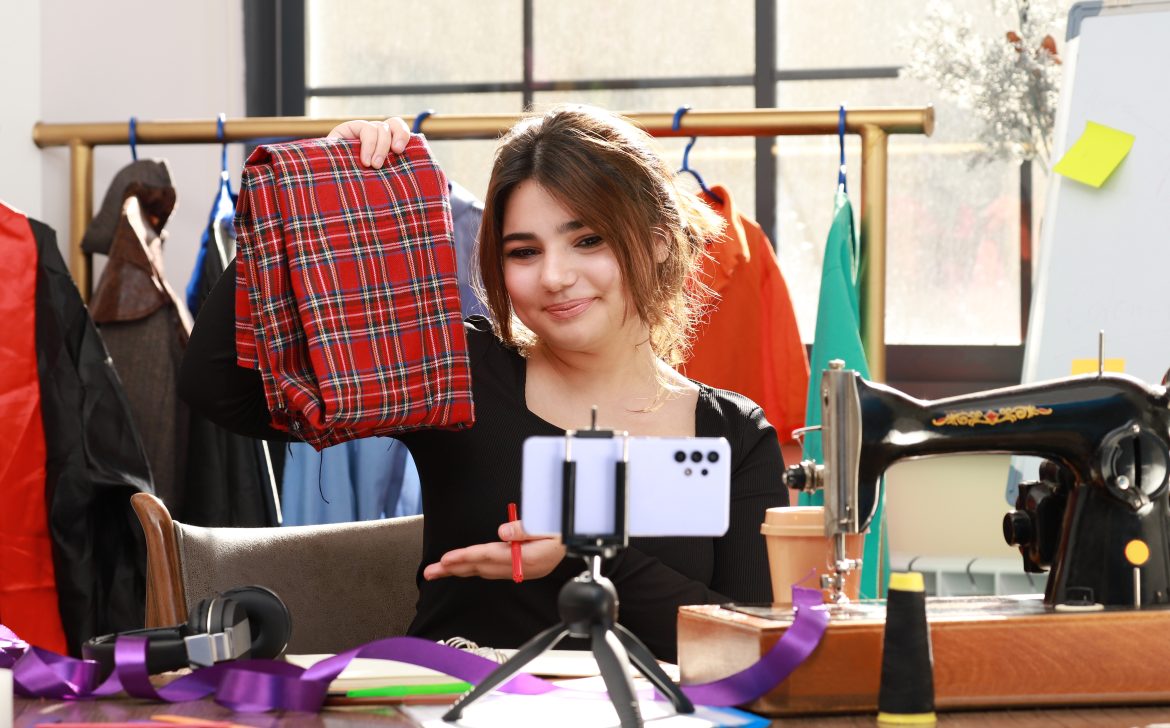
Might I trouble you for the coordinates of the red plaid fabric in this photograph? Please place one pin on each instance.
(346, 293)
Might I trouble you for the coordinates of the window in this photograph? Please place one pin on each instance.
(954, 229)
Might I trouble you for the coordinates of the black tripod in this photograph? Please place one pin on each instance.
(588, 606)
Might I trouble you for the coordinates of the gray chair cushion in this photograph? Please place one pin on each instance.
(344, 584)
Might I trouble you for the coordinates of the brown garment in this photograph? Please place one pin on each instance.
(145, 327)
(144, 174)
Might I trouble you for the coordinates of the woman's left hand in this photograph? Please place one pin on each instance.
(494, 560)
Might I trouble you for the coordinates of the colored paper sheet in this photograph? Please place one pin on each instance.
(1094, 156)
(1089, 366)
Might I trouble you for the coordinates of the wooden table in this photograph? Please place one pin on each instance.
(989, 653)
(29, 713)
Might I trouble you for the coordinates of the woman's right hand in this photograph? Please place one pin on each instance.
(378, 138)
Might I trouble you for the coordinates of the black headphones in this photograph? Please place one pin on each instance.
(249, 621)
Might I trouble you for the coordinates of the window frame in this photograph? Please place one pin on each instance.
(275, 85)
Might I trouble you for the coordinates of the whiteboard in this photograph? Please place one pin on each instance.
(1104, 254)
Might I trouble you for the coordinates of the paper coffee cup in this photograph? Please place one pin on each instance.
(799, 552)
(5, 698)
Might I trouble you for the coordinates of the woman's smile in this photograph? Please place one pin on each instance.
(569, 309)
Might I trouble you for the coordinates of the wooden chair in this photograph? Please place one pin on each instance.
(345, 584)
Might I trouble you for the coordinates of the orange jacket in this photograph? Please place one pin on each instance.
(750, 343)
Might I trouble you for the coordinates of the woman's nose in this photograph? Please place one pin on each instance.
(557, 272)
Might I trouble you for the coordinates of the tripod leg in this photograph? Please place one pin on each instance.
(531, 649)
(644, 660)
(610, 655)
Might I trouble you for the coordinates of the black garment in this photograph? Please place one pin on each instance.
(229, 481)
(470, 475)
(95, 462)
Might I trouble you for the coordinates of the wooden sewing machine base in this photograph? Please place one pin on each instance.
(988, 652)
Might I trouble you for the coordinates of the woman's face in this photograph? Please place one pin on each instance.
(562, 278)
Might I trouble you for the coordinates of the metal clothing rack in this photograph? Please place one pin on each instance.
(874, 125)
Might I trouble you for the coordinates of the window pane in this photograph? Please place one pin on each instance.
(644, 39)
(468, 162)
(952, 260)
(844, 33)
(726, 161)
(372, 42)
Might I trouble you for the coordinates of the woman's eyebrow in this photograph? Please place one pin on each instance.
(564, 227)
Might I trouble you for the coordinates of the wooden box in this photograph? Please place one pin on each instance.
(988, 652)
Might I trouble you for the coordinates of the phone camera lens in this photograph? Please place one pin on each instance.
(680, 456)
(713, 457)
(697, 456)
(704, 471)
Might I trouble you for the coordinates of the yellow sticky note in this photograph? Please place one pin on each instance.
(1095, 155)
(1089, 366)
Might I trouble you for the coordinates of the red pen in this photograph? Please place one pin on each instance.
(517, 566)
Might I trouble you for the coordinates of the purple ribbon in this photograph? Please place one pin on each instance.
(797, 643)
(261, 685)
(11, 647)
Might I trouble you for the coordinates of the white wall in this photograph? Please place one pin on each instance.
(20, 107)
(106, 61)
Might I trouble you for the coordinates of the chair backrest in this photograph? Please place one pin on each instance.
(344, 584)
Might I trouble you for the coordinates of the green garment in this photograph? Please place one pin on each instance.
(838, 337)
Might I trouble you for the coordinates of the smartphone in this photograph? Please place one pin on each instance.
(677, 486)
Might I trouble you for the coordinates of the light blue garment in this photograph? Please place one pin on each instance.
(374, 477)
(410, 497)
(359, 480)
(466, 214)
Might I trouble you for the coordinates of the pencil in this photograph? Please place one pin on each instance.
(194, 721)
(402, 691)
(517, 565)
(337, 701)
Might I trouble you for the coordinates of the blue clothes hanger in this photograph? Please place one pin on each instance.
(134, 138)
(841, 144)
(224, 176)
(221, 214)
(416, 127)
(686, 160)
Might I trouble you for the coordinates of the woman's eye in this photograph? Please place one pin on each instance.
(590, 242)
(520, 252)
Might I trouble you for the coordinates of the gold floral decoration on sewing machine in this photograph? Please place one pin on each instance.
(971, 418)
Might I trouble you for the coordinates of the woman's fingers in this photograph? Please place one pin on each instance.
(486, 560)
(381, 145)
(399, 134)
(377, 138)
(494, 560)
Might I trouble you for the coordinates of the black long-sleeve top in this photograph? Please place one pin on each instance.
(469, 476)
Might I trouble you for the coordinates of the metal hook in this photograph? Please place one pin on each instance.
(799, 433)
(416, 127)
(134, 138)
(686, 160)
(223, 164)
(841, 143)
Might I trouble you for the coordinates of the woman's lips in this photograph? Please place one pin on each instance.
(568, 309)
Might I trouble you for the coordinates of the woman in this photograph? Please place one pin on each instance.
(587, 256)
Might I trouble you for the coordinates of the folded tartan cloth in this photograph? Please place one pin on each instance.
(346, 293)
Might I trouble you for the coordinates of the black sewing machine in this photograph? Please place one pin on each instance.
(1098, 516)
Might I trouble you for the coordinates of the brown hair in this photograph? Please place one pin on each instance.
(604, 170)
